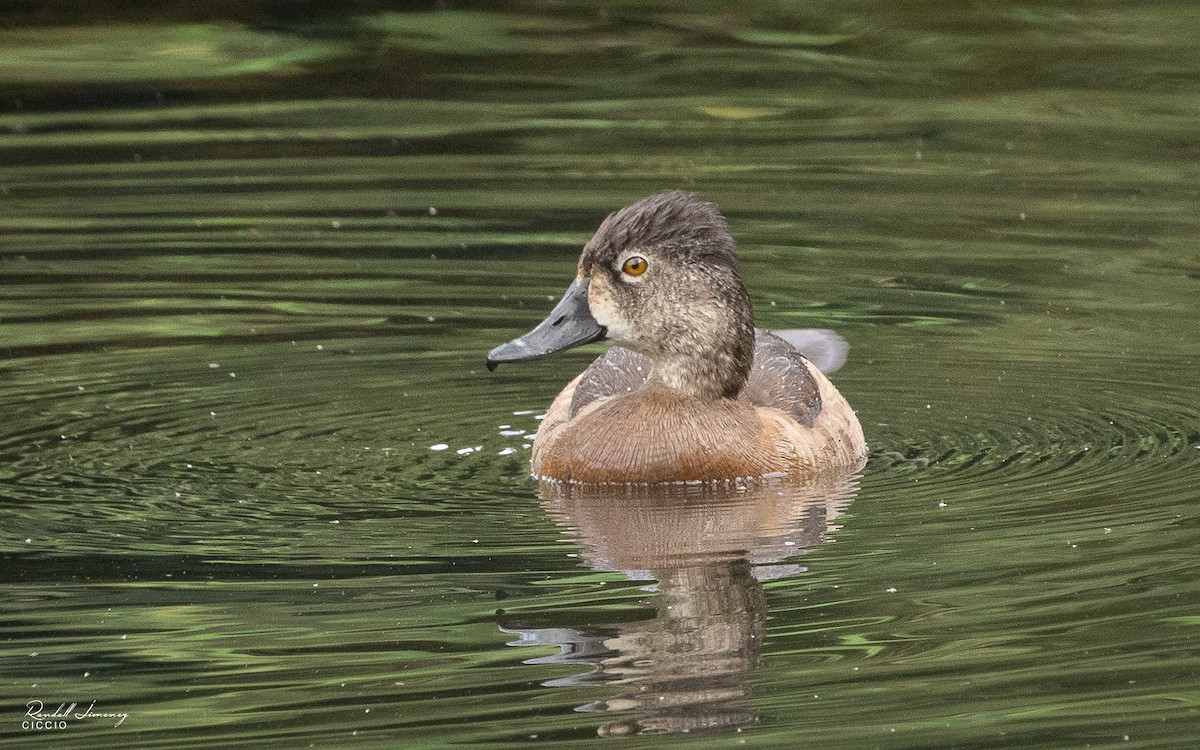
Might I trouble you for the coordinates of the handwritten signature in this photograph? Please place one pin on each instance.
(43, 719)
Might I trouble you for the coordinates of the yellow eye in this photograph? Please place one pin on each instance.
(635, 265)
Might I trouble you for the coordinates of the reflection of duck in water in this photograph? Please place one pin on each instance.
(686, 668)
(692, 391)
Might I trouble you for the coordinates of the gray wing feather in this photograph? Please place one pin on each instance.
(779, 377)
(820, 346)
(615, 372)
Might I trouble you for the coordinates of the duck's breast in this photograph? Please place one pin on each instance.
(649, 436)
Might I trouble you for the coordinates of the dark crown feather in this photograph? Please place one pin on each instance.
(672, 220)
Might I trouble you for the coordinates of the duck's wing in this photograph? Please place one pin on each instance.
(820, 346)
(618, 371)
(780, 378)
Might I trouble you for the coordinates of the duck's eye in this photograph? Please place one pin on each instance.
(635, 265)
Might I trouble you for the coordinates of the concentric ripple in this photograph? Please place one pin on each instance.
(1095, 438)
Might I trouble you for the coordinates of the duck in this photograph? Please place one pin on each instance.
(691, 391)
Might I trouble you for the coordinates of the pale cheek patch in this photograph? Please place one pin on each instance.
(606, 311)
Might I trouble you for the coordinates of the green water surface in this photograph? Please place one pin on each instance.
(252, 256)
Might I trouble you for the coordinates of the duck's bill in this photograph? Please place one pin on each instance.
(569, 324)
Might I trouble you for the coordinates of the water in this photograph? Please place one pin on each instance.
(251, 264)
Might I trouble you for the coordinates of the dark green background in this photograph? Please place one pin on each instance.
(231, 327)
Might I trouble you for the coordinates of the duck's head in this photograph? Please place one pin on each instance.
(658, 277)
